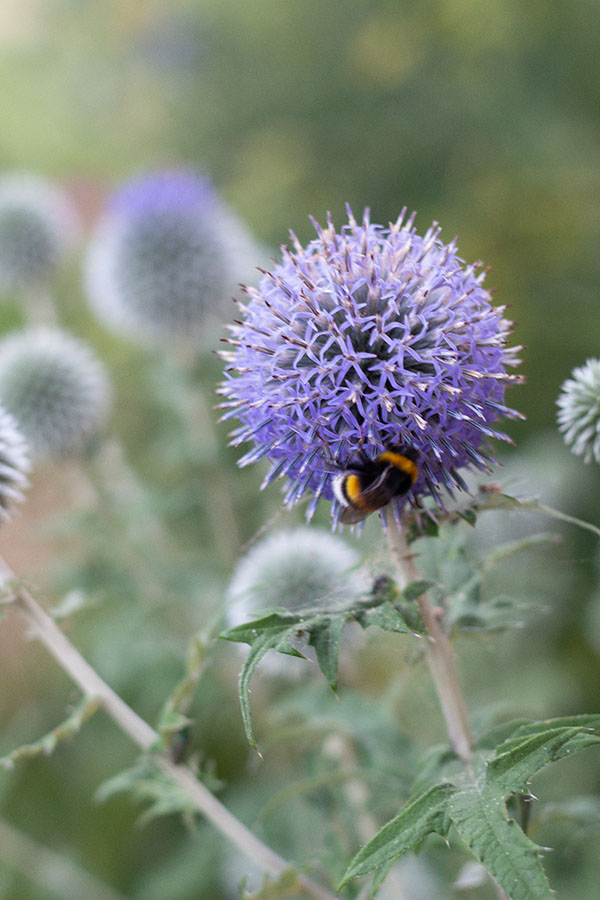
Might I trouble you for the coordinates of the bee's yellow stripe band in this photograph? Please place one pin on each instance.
(352, 487)
(401, 462)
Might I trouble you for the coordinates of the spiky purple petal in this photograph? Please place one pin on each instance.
(368, 337)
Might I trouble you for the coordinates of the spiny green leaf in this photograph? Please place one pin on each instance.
(255, 630)
(147, 784)
(497, 737)
(517, 760)
(478, 808)
(386, 616)
(479, 814)
(46, 744)
(425, 815)
(276, 631)
(326, 639)
(266, 641)
(584, 721)
(323, 630)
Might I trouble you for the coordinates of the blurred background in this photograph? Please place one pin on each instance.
(482, 116)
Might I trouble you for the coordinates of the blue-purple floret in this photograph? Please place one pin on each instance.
(365, 338)
(177, 190)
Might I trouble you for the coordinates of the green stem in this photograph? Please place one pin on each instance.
(439, 654)
(92, 685)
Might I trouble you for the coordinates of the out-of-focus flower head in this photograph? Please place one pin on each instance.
(164, 258)
(366, 338)
(14, 464)
(56, 389)
(294, 570)
(579, 411)
(38, 226)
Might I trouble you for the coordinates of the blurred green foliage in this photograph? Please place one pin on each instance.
(483, 116)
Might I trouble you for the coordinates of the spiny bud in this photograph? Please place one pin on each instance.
(56, 389)
(294, 569)
(38, 226)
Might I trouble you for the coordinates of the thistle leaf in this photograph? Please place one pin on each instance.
(48, 743)
(326, 640)
(385, 616)
(148, 785)
(475, 803)
(520, 758)
(267, 640)
(425, 815)
(479, 814)
(323, 630)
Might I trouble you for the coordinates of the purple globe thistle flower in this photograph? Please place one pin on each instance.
(365, 339)
(164, 191)
(163, 258)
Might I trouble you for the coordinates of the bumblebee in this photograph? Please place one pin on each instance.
(368, 484)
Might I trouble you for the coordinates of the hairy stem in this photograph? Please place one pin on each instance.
(439, 653)
(88, 680)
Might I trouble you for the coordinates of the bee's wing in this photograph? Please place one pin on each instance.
(351, 515)
(376, 484)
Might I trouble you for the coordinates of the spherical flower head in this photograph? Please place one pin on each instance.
(159, 263)
(294, 570)
(369, 338)
(579, 411)
(14, 464)
(38, 226)
(56, 389)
